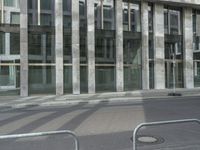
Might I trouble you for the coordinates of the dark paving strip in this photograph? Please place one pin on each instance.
(5, 108)
(75, 122)
(37, 123)
(15, 118)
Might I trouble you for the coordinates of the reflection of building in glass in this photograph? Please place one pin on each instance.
(65, 46)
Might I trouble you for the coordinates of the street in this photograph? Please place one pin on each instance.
(104, 125)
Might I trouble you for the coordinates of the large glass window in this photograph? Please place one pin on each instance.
(173, 47)
(83, 47)
(9, 78)
(105, 14)
(172, 21)
(151, 47)
(132, 46)
(9, 51)
(2, 43)
(41, 45)
(131, 16)
(105, 57)
(196, 47)
(46, 4)
(67, 46)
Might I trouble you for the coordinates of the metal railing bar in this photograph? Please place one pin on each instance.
(14, 136)
(159, 123)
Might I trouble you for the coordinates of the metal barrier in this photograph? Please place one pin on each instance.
(159, 123)
(14, 136)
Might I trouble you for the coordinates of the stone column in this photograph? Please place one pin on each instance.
(44, 58)
(7, 44)
(59, 47)
(23, 48)
(119, 47)
(188, 48)
(38, 13)
(159, 46)
(75, 48)
(91, 46)
(2, 10)
(145, 45)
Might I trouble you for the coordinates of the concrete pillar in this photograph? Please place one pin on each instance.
(7, 44)
(159, 46)
(44, 58)
(75, 48)
(59, 47)
(2, 10)
(23, 48)
(119, 47)
(145, 45)
(38, 12)
(91, 46)
(188, 48)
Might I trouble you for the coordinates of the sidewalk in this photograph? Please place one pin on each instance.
(52, 100)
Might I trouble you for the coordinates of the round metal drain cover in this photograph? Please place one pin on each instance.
(147, 139)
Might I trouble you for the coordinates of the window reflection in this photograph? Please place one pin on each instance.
(172, 21)
(105, 55)
(173, 47)
(132, 46)
(131, 16)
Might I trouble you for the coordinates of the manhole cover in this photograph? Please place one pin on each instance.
(147, 139)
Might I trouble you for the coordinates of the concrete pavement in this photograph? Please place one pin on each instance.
(105, 125)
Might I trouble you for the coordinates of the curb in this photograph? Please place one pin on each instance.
(96, 101)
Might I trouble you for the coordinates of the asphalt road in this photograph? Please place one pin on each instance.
(104, 126)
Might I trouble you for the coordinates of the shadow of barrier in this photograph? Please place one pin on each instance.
(40, 134)
(150, 124)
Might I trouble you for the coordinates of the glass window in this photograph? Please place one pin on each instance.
(15, 18)
(125, 17)
(150, 17)
(67, 5)
(135, 17)
(105, 79)
(9, 3)
(30, 4)
(105, 14)
(68, 79)
(131, 16)
(14, 43)
(46, 4)
(84, 79)
(2, 43)
(34, 43)
(196, 30)
(166, 21)
(9, 76)
(108, 15)
(105, 57)
(132, 64)
(172, 21)
(46, 19)
(46, 81)
(105, 48)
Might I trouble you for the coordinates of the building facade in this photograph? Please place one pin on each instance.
(96, 46)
